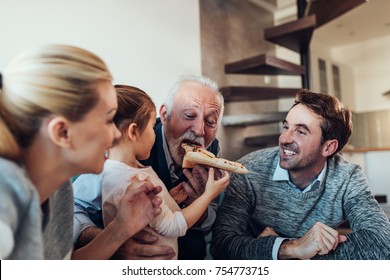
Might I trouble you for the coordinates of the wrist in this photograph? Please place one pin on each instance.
(118, 231)
(286, 250)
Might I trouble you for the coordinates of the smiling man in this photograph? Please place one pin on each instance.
(295, 196)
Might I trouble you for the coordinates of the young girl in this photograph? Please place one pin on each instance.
(136, 118)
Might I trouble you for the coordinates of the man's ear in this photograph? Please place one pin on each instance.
(132, 132)
(58, 131)
(163, 114)
(329, 147)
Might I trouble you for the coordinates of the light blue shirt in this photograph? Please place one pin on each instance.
(87, 189)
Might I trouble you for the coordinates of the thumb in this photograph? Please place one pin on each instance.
(342, 238)
(211, 174)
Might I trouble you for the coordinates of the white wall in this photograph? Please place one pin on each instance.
(318, 51)
(147, 43)
(369, 62)
(375, 166)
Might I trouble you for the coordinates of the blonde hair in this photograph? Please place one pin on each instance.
(52, 79)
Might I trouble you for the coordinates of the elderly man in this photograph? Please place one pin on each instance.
(296, 195)
(192, 112)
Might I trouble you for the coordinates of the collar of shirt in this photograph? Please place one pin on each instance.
(168, 157)
(281, 174)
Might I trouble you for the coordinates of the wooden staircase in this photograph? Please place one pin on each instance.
(296, 36)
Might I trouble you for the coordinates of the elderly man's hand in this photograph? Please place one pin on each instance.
(179, 193)
(142, 246)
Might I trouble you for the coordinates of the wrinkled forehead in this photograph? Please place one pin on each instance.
(198, 96)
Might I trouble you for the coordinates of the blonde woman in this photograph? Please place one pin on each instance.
(57, 105)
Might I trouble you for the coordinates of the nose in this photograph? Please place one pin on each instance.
(285, 137)
(198, 127)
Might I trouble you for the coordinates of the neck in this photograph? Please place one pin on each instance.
(123, 153)
(45, 168)
(303, 178)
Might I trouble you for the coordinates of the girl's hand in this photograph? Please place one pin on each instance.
(215, 186)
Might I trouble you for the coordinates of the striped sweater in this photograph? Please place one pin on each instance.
(254, 201)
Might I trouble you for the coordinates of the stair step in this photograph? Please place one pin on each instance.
(327, 10)
(264, 65)
(262, 141)
(245, 93)
(295, 35)
(253, 119)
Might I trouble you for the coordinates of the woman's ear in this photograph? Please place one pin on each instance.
(330, 147)
(58, 130)
(132, 132)
(163, 114)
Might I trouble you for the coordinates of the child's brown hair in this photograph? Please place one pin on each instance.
(134, 106)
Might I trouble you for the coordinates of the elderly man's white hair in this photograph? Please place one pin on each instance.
(198, 79)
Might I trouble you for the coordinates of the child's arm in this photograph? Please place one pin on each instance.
(213, 188)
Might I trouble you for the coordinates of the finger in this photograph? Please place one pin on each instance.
(155, 252)
(342, 238)
(145, 237)
(181, 196)
(328, 243)
(157, 211)
(156, 201)
(211, 174)
(200, 173)
(197, 186)
(177, 188)
(157, 189)
(329, 237)
(190, 191)
(225, 179)
(218, 174)
(131, 193)
(268, 231)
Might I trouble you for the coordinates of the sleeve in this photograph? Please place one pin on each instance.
(87, 190)
(7, 240)
(370, 237)
(7, 216)
(230, 237)
(16, 200)
(169, 223)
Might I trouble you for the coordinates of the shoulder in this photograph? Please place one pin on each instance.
(263, 158)
(14, 181)
(87, 179)
(87, 186)
(340, 165)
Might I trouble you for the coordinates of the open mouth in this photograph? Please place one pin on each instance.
(289, 152)
(192, 143)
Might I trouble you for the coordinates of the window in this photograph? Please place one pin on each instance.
(323, 80)
(336, 81)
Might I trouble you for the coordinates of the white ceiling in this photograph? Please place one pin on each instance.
(368, 21)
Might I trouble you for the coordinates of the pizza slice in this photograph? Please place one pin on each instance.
(198, 155)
